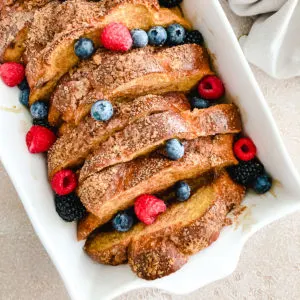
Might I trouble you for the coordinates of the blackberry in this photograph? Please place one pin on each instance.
(169, 3)
(246, 172)
(44, 123)
(193, 37)
(69, 207)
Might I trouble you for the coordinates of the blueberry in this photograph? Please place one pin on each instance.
(102, 110)
(24, 97)
(262, 184)
(174, 149)
(176, 34)
(84, 48)
(122, 221)
(139, 38)
(157, 36)
(197, 102)
(39, 110)
(182, 191)
(23, 85)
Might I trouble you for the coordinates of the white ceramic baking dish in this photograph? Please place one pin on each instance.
(85, 279)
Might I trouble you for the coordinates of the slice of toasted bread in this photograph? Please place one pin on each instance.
(150, 132)
(121, 76)
(72, 148)
(15, 20)
(46, 67)
(185, 228)
(115, 188)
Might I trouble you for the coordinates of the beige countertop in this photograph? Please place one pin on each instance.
(269, 266)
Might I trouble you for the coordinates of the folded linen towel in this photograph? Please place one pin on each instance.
(273, 43)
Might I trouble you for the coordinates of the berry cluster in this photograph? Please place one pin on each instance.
(40, 138)
(117, 37)
(250, 172)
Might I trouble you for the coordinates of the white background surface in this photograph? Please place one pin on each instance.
(270, 263)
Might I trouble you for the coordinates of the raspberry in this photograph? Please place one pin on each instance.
(211, 88)
(12, 73)
(64, 182)
(148, 207)
(244, 149)
(39, 139)
(116, 37)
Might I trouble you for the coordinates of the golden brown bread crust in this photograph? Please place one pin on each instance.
(118, 76)
(72, 148)
(115, 188)
(188, 238)
(185, 228)
(150, 132)
(15, 20)
(46, 67)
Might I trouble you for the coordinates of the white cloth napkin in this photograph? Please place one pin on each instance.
(273, 43)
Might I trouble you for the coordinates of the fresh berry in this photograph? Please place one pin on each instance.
(122, 222)
(182, 191)
(197, 102)
(148, 207)
(39, 139)
(246, 172)
(169, 3)
(262, 184)
(102, 110)
(24, 97)
(69, 207)
(39, 110)
(116, 37)
(44, 123)
(23, 85)
(84, 48)
(64, 182)
(193, 37)
(215, 235)
(157, 36)
(244, 149)
(174, 149)
(176, 34)
(12, 73)
(211, 88)
(139, 38)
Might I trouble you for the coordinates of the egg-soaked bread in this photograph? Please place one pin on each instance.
(150, 132)
(115, 188)
(15, 20)
(121, 76)
(185, 228)
(49, 61)
(73, 147)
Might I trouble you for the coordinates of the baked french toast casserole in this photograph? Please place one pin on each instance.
(144, 150)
